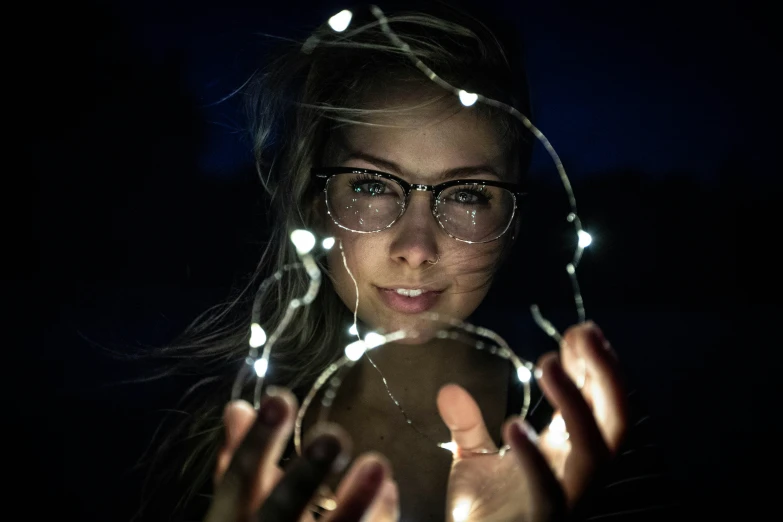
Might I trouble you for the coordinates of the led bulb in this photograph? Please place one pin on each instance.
(584, 239)
(523, 373)
(373, 339)
(355, 350)
(341, 21)
(451, 446)
(327, 243)
(257, 335)
(557, 431)
(461, 510)
(352, 330)
(260, 366)
(303, 240)
(467, 98)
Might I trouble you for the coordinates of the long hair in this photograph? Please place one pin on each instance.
(295, 106)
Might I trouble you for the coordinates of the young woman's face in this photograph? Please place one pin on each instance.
(427, 147)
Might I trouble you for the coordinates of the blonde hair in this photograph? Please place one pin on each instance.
(294, 105)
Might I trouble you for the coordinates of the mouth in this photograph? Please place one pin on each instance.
(409, 300)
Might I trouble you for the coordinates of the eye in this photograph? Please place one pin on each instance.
(368, 185)
(477, 195)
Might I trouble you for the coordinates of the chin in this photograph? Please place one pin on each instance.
(424, 328)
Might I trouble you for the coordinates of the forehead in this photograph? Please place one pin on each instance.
(424, 134)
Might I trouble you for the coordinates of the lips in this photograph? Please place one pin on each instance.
(409, 305)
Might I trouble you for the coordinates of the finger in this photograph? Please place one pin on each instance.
(386, 507)
(588, 450)
(605, 390)
(240, 490)
(547, 497)
(463, 417)
(360, 487)
(238, 417)
(326, 453)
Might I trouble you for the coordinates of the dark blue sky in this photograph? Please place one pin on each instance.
(663, 88)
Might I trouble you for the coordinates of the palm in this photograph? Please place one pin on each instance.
(487, 488)
(536, 481)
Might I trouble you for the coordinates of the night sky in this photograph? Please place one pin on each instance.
(147, 211)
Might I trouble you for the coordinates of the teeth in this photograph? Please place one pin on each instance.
(409, 293)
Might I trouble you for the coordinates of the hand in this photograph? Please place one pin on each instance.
(251, 486)
(542, 477)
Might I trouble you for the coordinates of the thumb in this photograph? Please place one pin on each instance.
(463, 417)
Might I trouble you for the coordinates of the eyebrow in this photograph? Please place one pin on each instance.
(445, 175)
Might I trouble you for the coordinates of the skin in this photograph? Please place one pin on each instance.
(419, 147)
(538, 480)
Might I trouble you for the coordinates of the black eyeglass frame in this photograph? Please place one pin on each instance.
(322, 175)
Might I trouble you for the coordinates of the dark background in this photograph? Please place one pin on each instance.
(147, 210)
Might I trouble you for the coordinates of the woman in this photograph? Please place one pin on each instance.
(422, 194)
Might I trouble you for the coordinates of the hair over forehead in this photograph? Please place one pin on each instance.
(360, 76)
(334, 79)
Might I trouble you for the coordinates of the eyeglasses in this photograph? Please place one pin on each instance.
(367, 201)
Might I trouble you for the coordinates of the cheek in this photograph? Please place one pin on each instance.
(361, 255)
(472, 265)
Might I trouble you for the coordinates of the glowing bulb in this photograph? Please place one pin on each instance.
(467, 98)
(355, 350)
(341, 20)
(257, 335)
(352, 330)
(327, 243)
(260, 366)
(461, 510)
(557, 431)
(523, 373)
(303, 240)
(451, 446)
(584, 239)
(373, 339)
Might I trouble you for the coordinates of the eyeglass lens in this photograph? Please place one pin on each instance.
(365, 202)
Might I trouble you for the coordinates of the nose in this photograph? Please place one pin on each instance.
(416, 233)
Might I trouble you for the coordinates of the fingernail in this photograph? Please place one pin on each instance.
(273, 391)
(324, 449)
(599, 337)
(371, 474)
(272, 411)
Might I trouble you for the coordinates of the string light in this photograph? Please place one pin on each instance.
(450, 446)
(260, 366)
(355, 350)
(461, 510)
(257, 336)
(524, 374)
(303, 240)
(467, 98)
(331, 377)
(557, 434)
(584, 239)
(373, 339)
(340, 21)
